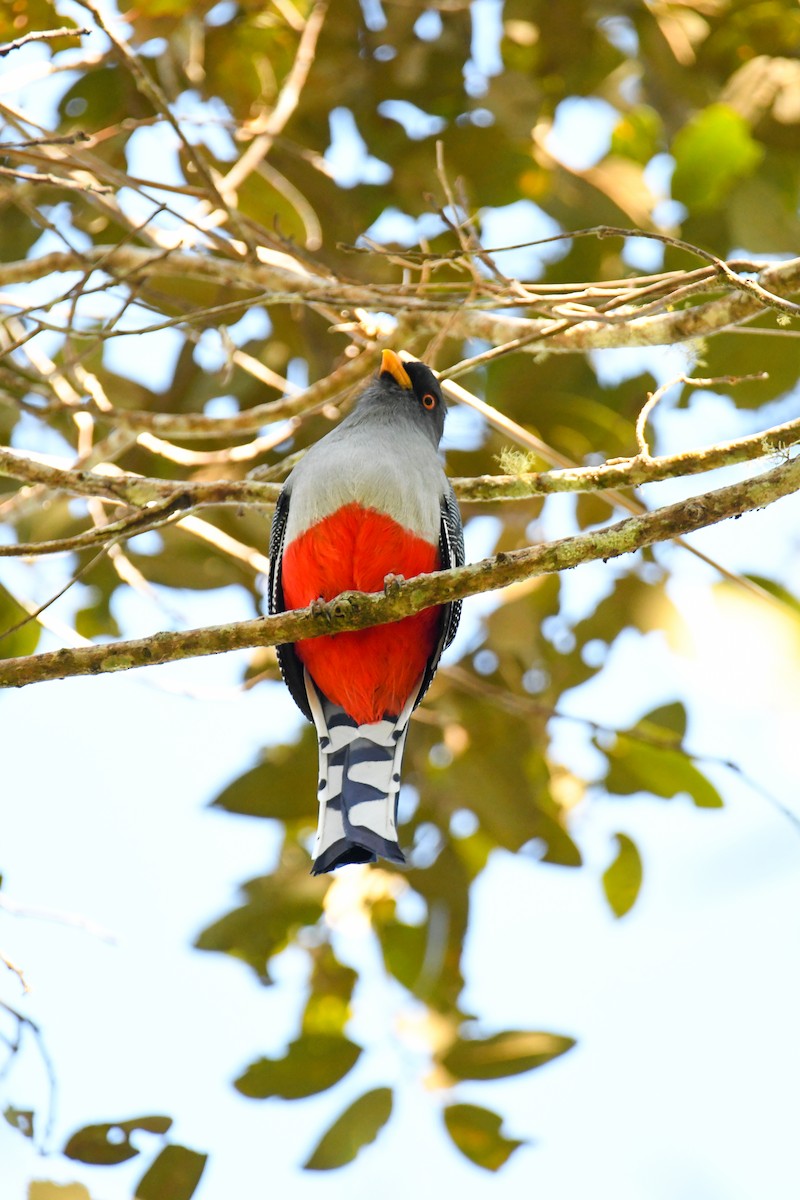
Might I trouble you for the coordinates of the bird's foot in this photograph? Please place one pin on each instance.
(391, 584)
(319, 608)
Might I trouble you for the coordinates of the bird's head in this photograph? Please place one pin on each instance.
(415, 386)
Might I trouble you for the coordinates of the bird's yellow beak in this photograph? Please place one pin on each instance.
(392, 365)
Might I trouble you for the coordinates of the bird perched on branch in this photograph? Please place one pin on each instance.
(369, 500)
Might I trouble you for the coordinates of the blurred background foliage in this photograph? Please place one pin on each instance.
(661, 116)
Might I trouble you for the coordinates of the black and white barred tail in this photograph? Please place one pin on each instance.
(359, 783)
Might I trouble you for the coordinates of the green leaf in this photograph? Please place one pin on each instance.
(504, 1054)
(328, 1006)
(638, 135)
(761, 215)
(623, 878)
(508, 790)
(20, 1119)
(164, 8)
(712, 151)
(403, 947)
(312, 1064)
(635, 766)
(283, 786)
(276, 907)
(174, 1175)
(22, 641)
(107, 1145)
(476, 1133)
(101, 96)
(358, 1125)
(669, 718)
(725, 355)
(649, 757)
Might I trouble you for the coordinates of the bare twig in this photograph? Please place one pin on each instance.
(42, 35)
(58, 180)
(151, 518)
(73, 579)
(25, 1023)
(15, 970)
(654, 398)
(285, 105)
(57, 916)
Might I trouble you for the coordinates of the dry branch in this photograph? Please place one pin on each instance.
(282, 279)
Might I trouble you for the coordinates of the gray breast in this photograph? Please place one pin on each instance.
(397, 475)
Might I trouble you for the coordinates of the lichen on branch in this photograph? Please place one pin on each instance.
(357, 610)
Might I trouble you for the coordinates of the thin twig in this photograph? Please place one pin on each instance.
(151, 518)
(23, 1023)
(16, 970)
(288, 99)
(73, 579)
(57, 916)
(654, 398)
(58, 180)
(42, 35)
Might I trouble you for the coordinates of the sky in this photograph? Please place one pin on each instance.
(684, 1083)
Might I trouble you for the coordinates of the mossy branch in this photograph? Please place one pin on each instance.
(141, 491)
(357, 610)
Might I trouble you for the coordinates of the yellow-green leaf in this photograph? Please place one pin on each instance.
(108, 1144)
(23, 640)
(358, 1125)
(312, 1063)
(477, 1134)
(504, 1054)
(623, 878)
(712, 151)
(636, 766)
(174, 1175)
(44, 1189)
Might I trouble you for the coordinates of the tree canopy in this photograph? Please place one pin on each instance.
(212, 219)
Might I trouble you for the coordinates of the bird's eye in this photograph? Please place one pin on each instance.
(429, 401)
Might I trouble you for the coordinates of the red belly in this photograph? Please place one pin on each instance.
(370, 673)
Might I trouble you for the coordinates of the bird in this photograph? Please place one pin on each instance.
(367, 503)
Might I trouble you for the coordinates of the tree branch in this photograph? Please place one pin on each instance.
(141, 491)
(198, 425)
(356, 610)
(665, 328)
(283, 279)
(42, 35)
(629, 472)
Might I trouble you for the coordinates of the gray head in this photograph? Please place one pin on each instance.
(406, 391)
